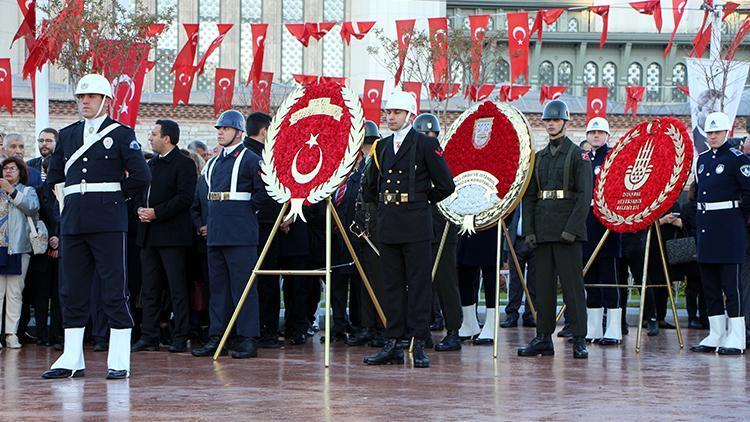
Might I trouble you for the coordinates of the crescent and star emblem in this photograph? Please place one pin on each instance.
(516, 30)
(479, 32)
(262, 85)
(223, 85)
(259, 40)
(373, 94)
(594, 107)
(303, 178)
(184, 79)
(4, 73)
(131, 89)
(405, 38)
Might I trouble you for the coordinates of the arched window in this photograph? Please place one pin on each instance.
(653, 80)
(590, 74)
(572, 25)
(546, 73)
(551, 28)
(565, 74)
(635, 74)
(679, 77)
(609, 78)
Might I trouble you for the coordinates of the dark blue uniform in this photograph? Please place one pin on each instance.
(233, 238)
(723, 187)
(604, 268)
(94, 223)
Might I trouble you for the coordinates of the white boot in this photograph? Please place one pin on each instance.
(717, 326)
(594, 318)
(470, 326)
(613, 335)
(488, 331)
(734, 341)
(118, 357)
(72, 357)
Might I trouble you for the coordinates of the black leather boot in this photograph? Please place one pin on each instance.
(246, 348)
(579, 348)
(390, 353)
(361, 338)
(539, 345)
(421, 360)
(450, 342)
(209, 348)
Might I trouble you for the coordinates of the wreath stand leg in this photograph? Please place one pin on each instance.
(643, 292)
(440, 250)
(495, 329)
(327, 352)
(668, 282)
(518, 268)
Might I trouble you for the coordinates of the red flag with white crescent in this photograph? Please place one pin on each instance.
(442, 92)
(479, 92)
(357, 30)
(223, 29)
(130, 103)
(6, 86)
(518, 45)
(262, 93)
(186, 56)
(404, 29)
(318, 30)
(416, 89)
(602, 11)
(259, 47)
(223, 90)
(678, 8)
(596, 102)
(634, 96)
(741, 33)
(439, 46)
(545, 16)
(550, 93)
(650, 7)
(299, 31)
(183, 84)
(27, 30)
(478, 27)
(372, 99)
(510, 93)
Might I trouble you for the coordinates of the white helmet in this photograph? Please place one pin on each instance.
(401, 100)
(94, 84)
(598, 123)
(717, 122)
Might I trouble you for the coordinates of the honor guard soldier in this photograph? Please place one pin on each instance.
(101, 165)
(446, 278)
(235, 193)
(723, 178)
(409, 173)
(604, 268)
(555, 207)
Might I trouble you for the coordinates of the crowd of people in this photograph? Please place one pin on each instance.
(162, 243)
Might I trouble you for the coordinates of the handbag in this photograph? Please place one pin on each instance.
(681, 250)
(38, 235)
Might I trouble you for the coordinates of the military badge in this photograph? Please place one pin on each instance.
(107, 142)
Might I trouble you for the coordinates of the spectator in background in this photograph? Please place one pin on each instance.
(200, 148)
(14, 147)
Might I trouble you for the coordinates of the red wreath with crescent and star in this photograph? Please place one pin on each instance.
(643, 175)
(313, 142)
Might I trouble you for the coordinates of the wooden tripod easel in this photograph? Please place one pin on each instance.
(643, 286)
(330, 211)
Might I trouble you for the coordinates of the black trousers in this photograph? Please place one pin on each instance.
(515, 289)
(695, 301)
(269, 287)
(297, 292)
(656, 297)
(631, 261)
(371, 265)
(345, 288)
(99, 321)
(445, 285)
(42, 279)
(468, 284)
(564, 261)
(718, 279)
(407, 300)
(603, 270)
(164, 267)
(85, 256)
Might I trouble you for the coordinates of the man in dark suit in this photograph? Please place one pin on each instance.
(525, 257)
(164, 235)
(410, 173)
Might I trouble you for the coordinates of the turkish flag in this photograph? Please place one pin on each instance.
(223, 29)
(550, 93)
(27, 30)
(439, 45)
(314, 79)
(700, 42)
(684, 89)
(596, 102)
(262, 93)
(729, 8)
(404, 29)
(183, 83)
(478, 26)
(479, 93)
(651, 7)
(442, 92)
(126, 107)
(518, 45)
(127, 73)
(299, 31)
(186, 56)
(678, 8)
(6, 85)
(223, 89)
(357, 30)
(319, 30)
(634, 96)
(602, 11)
(372, 98)
(546, 16)
(153, 30)
(511, 93)
(741, 33)
(259, 47)
(414, 88)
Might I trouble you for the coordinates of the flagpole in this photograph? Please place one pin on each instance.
(718, 13)
(41, 88)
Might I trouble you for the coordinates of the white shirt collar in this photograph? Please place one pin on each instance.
(399, 135)
(170, 151)
(95, 123)
(229, 150)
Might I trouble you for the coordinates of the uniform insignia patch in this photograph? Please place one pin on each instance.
(107, 142)
(585, 156)
(700, 168)
(134, 145)
(439, 152)
(720, 169)
(745, 170)
(735, 151)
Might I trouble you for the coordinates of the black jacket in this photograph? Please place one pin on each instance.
(170, 195)
(268, 212)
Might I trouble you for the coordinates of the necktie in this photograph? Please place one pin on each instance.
(339, 197)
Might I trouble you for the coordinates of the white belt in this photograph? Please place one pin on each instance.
(714, 206)
(229, 196)
(84, 187)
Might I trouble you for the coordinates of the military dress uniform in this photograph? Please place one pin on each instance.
(723, 187)
(403, 183)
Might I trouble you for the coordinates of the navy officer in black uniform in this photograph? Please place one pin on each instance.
(101, 165)
(409, 174)
(723, 187)
(235, 193)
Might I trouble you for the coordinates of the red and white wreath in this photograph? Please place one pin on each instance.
(312, 145)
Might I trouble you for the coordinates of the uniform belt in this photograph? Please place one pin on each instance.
(85, 187)
(400, 198)
(555, 194)
(229, 196)
(715, 206)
